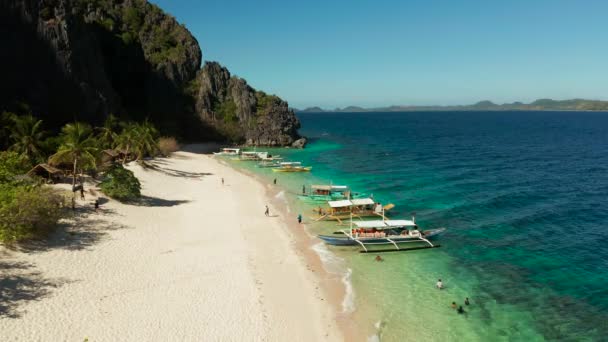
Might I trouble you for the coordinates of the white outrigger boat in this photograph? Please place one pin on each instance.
(383, 232)
(256, 156)
(228, 152)
(357, 207)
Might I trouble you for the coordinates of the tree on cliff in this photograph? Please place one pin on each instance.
(78, 147)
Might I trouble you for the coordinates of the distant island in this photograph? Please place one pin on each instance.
(541, 104)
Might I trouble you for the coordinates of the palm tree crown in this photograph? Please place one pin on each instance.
(27, 136)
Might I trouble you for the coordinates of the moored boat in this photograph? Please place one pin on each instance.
(324, 193)
(291, 167)
(357, 207)
(383, 232)
(228, 151)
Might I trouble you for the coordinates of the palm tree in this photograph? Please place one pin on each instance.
(26, 137)
(78, 147)
(139, 139)
(107, 133)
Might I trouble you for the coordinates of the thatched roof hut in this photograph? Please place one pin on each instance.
(46, 171)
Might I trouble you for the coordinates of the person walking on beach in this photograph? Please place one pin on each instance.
(303, 189)
(299, 218)
(82, 193)
(96, 204)
(275, 181)
(439, 284)
(267, 212)
(222, 180)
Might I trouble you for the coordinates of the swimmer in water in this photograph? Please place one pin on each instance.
(466, 301)
(379, 258)
(460, 310)
(453, 305)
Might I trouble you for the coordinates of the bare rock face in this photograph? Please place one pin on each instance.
(84, 60)
(300, 143)
(246, 115)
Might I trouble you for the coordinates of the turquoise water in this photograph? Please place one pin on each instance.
(524, 196)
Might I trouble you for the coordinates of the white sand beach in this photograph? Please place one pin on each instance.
(195, 261)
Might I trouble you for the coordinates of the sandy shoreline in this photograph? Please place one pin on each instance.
(195, 261)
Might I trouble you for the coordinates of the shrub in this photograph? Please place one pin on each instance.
(167, 145)
(121, 184)
(28, 211)
(11, 165)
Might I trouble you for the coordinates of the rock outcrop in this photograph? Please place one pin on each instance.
(239, 111)
(76, 59)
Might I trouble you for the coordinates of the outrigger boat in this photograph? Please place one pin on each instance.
(324, 193)
(383, 232)
(269, 163)
(228, 152)
(291, 167)
(255, 156)
(357, 207)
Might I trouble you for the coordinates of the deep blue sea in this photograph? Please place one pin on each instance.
(524, 196)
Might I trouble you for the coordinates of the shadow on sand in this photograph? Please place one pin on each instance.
(149, 201)
(81, 231)
(158, 166)
(20, 282)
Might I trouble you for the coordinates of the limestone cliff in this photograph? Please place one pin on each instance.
(85, 59)
(231, 105)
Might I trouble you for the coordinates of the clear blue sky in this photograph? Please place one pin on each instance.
(385, 52)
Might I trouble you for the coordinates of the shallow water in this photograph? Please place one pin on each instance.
(524, 196)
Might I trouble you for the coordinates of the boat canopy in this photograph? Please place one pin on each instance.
(379, 224)
(362, 201)
(329, 187)
(229, 149)
(350, 203)
(290, 163)
(250, 153)
(340, 204)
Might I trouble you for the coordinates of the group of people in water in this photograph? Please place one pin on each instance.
(458, 308)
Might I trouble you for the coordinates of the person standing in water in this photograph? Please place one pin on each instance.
(460, 310)
(299, 218)
(439, 284)
(453, 305)
(267, 212)
(303, 189)
(466, 301)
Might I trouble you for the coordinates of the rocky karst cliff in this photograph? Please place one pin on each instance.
(85, 59)
(240, 111)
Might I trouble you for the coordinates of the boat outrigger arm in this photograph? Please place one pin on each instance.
(414, 236)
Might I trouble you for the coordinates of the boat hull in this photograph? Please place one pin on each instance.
(302, 169)
(346, 241)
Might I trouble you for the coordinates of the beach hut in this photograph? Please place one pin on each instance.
(47, 171)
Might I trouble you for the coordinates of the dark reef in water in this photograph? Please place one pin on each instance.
(82, 60)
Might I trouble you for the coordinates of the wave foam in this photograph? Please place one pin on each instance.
(336, 265)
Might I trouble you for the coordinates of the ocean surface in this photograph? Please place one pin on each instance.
(524, 198)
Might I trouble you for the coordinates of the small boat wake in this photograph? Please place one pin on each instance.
(336, 265)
